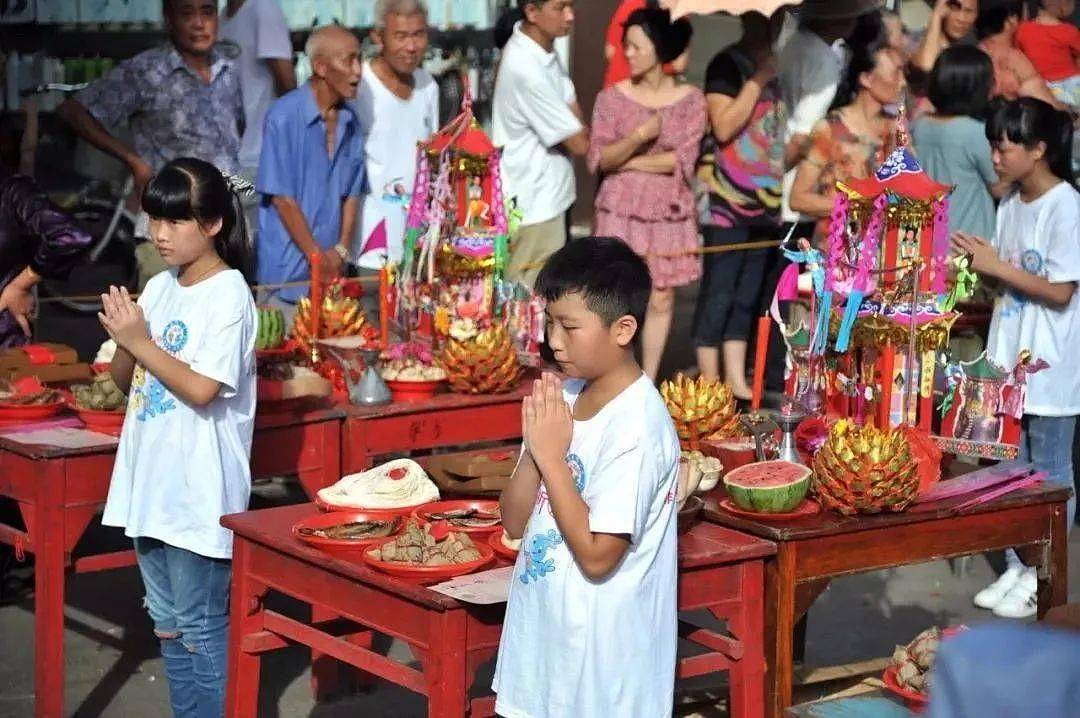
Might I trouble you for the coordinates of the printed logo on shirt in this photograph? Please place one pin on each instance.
(537, 563)
(577, 471)
(149, 397)
(1032, 262)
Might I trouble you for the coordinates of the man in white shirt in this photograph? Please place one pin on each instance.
(256, 31)
(810, 65)
(398, 106)
(538, 123)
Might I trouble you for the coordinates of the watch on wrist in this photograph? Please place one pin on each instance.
(342, 251)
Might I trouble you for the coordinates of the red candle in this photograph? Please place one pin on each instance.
(384, 307)
(316, 294)
(764, 327)
(886, 365)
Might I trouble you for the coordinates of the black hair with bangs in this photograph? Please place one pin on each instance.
(1027, 121)
(670, 38)
(612, 279)
(193, 189)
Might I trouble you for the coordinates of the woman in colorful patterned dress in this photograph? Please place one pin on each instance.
(742, 167)
(646, 135)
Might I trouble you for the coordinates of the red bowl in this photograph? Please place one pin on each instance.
(342, 547)
(429, 573)
(105, 422)
(412, 392)
(30, 412)
(495, 542)
(917, 702)
(489, 505)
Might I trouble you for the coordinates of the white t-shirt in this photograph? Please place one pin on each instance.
(531, 117)
(259, 32)
(392, 128)
(594, 649)
(809, 71)
(179, 469)
(1043, 238)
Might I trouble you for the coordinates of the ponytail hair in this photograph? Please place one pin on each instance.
(192, 189)
(1027, 121)
(864, 58)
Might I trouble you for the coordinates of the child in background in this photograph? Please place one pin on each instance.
(186, 355)
(590, 628)
(1036, 260)
(1052, 43)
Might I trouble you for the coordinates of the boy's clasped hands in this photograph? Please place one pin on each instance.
(547, 422)
(122, 318)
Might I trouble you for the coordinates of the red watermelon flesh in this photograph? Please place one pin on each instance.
(768, 486)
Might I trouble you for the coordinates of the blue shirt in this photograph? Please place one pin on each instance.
(172, 111)
(294, 163)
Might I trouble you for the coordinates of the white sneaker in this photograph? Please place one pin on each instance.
(1022, 600)
(992, 594)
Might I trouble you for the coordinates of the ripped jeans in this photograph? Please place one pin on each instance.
(187, 596)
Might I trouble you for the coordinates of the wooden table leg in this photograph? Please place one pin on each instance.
(445, 666)
(47, 540)
(747, 675)
(779, 627)
(326, 671)
(245, 618)
(1054, 571)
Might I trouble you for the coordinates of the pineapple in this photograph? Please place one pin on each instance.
(865, 470)
(342, 316)
(702, 409)
(485, 364)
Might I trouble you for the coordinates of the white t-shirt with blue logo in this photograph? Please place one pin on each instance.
(1041, 237)
(179, 469)
(575, 647)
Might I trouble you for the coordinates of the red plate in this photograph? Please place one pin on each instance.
(342, 547)
(430, 573)
(105, 422)
(915, 701)
(286, 349)
(495, 542)
(806, 508)
(31, 412)
(421, 513)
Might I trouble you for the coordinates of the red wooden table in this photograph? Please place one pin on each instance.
(59, 491)
(444, 420)
(720, 571)
(813, 550)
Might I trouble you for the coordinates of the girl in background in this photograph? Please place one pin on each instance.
(1035, 258)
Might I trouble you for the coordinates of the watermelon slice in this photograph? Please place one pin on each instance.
(773, 487)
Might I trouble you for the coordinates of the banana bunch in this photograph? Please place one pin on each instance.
(701, 409)
(485, 364)
(341, 317)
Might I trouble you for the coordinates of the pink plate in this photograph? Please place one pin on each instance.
(806, 508)
(490, 506)
(429, 573)
(914, 700)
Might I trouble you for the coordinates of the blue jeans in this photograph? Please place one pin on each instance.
(1046, 443)
(187, 596)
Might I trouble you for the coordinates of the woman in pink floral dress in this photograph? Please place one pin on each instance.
(646, 136)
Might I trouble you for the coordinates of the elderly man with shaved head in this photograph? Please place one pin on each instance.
(311, 171)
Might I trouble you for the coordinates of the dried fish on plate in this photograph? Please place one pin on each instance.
(354, 530)
(467, 518)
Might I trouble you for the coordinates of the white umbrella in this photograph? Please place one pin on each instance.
(680, 8)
